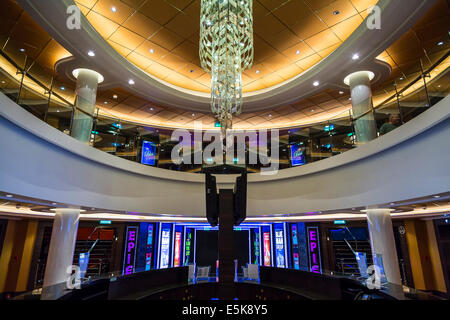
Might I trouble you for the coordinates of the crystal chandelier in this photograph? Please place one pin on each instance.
(226, 49)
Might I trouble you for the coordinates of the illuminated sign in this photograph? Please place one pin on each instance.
(105, 222)
(266, 249)
(295, 255)
(279, 246)
(148, 153)
(315, 264)
(165, 248)
(129, 258)
(297, 155)
(340, 222)
(187, 246)
(257, 247)
(176, 260)
(148, 252)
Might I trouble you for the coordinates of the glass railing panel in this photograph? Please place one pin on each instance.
(33, 98)
(59, 116)
(320, 141)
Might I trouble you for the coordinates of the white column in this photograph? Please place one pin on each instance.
(62, 246)
(87, 83)
(361, 94)
(382, 242)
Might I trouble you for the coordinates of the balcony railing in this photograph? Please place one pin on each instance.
(44, 95)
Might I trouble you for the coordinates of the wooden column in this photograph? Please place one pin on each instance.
(226, 262)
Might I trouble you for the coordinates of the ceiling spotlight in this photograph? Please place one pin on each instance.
(355, 56)
(57, 110)
(193, 114)
(298, 52)
(115, 96)
(257, 71)
(22, 50)
(151, 51)
(63, 88)
(3, 81)
(54, 203)
(113, 9)
(336, 12)
(440, 43)
(341, 92)
(131, 82)
(392, 203)
(350, 99)
(312, 110)
(9, 195)
(106, 102)
(151, 109)
(316, 83)
(401, 78)
(91, 53)
(436, 197)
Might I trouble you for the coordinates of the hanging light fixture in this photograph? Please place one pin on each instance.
(226, 49)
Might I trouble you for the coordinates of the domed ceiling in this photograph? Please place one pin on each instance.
(162, 36)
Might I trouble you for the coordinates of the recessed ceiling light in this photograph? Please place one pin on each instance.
(341, 92)
(401, 78)
(257, 71)
(3, 81)
(350, 99)
(270, 115)
(115, 96)
(9, 195)
(151, 109)
(436, 197)
(91, 53)
(151, 51)
(440, 43)
(22, 50)
(193, 114)
(63, 88)
(316, 83)
(392, 203)
(298, 52)
(57, 110)
(355, 56)
(54, 203)
(131, 81)
(106, 102)
(113, 9)
(312, 110)
(336, 12)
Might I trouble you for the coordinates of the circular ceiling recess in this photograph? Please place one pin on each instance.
(162, 38)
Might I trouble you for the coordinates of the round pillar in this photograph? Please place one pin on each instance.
(382, 242)
(87, 83)
(62, 246)
(361, 94)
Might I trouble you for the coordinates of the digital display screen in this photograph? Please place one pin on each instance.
(165, 248)
(295, 255)
(149, 250)
(267, 257)
(256, 245)
(279, 246)
(297, 155)
(129, 258)
(176, 259)
(148, 153)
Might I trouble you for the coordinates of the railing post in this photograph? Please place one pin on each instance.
(398, 102)
(21, 80)
(425, 83)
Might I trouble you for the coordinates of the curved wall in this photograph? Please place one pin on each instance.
(39, 161)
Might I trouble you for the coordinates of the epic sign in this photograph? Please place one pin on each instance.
(129, 258)
(315, 264)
